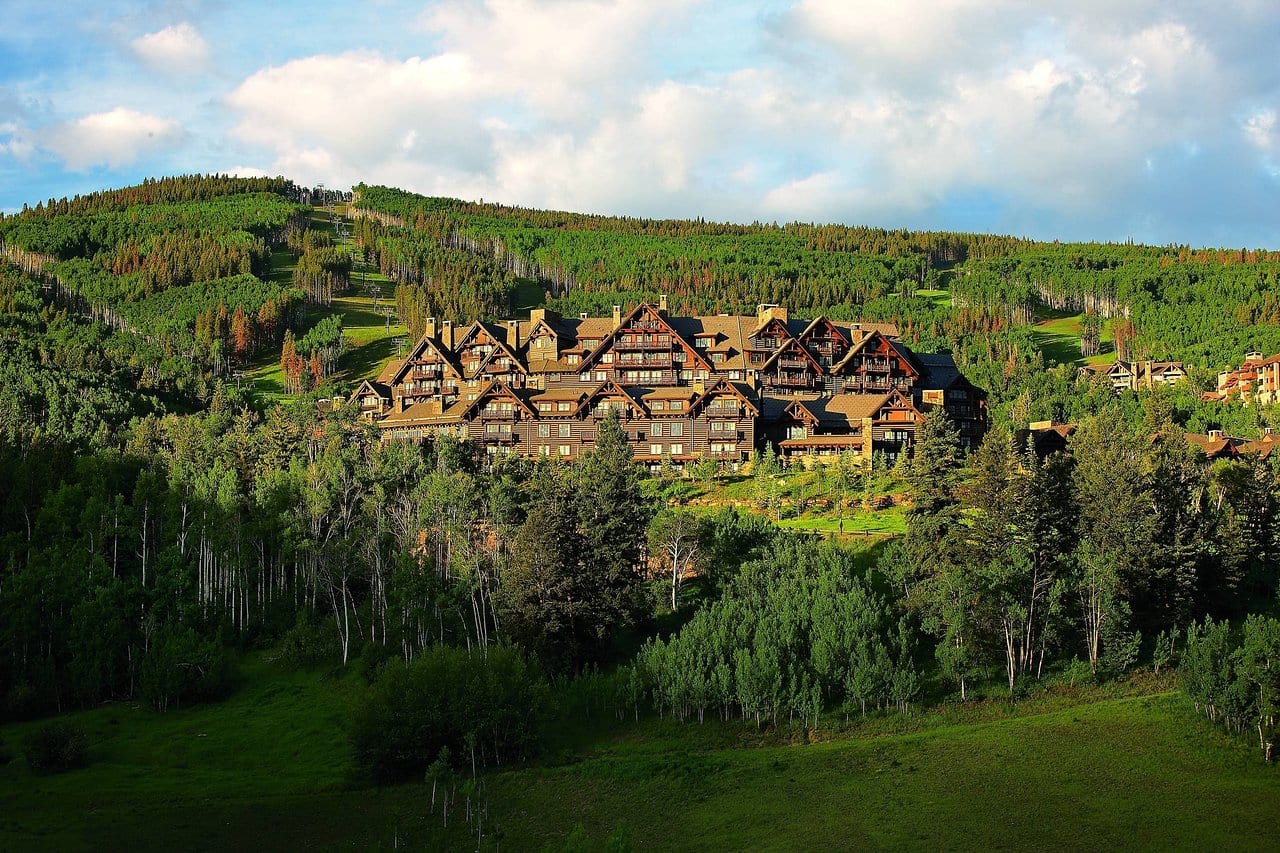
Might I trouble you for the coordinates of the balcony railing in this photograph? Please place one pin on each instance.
(793, 363)
(647, 361)
(632, 342)
(790, 381)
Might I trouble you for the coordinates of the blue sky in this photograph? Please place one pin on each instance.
(1153, 121)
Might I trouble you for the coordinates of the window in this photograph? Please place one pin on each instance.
(544, 407)
(566, 430)
(564, 406)
(677, 450)
(677, 405)
(655, 450)
(657, 429)
(544, 450)
(607, 358)
(573, 359)
(658, 405)
(496, 429)
(601, 376)
(702, 343)
(544, 430)
(717, 357)
(677, 429)
(723, 426)
(566, 450)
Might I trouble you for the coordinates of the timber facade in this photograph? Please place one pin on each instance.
(685, 388)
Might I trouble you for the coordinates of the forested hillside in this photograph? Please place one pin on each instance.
(181, 262)
(1205, 307)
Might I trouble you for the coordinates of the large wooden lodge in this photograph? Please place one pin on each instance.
(686, 388)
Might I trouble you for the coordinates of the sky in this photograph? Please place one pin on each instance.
(1088, 120)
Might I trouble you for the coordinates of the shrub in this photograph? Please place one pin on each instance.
(309, 643)
(481, 706)
(55, 748)
(182, 667)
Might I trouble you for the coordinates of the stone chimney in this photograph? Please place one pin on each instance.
(766, 312)
(662, 305)
(513, 334)
(429, 328)
(582, 315)
(617, 316)
(1215, 434)
(446, 334)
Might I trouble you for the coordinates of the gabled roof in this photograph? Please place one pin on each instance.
(821, 320)
(372, 386)
(654, 314)
(791, 345)
(503, 349)
(783, 325)
(800, 410)
(722, 387)
(424, 343)
(499, 337)
(611, 389)
(498, 388)
(861, 344)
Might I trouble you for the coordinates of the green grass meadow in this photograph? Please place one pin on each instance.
(1058, 334)
(270, 767)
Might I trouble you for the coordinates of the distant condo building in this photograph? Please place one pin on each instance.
(1136, 375)
(685, 388)
(1256, 381)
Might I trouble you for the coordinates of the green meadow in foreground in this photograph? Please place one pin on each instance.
(270, 767)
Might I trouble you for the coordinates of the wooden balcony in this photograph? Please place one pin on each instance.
(646, 362)
(631, 342)
(790, 381)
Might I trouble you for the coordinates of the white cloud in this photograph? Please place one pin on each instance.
(1261, 130)
(179, 48)
(562, 56)
(115, 138)
(856, 111)
(15, 141)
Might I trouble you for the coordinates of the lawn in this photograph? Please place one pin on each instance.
(1058, 333)
(1129, 773)
(269, 767)
(940, 298)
